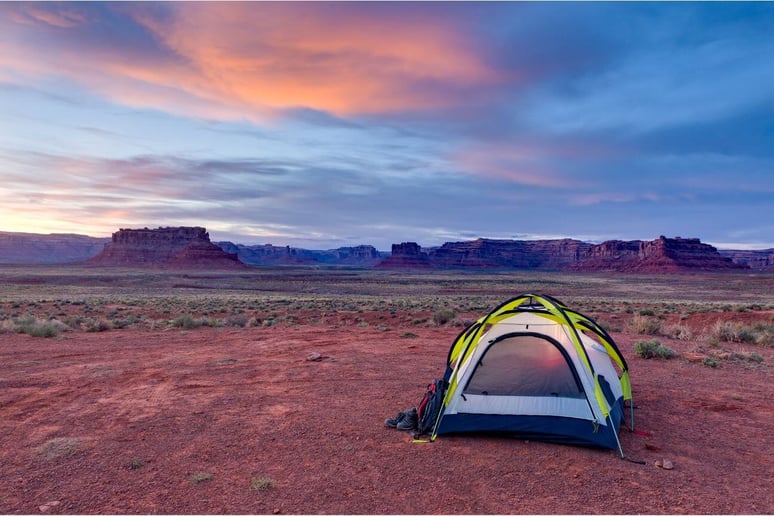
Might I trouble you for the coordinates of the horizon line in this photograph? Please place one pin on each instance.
(728, 246)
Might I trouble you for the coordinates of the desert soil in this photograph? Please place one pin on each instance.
(239, 420)
(124, 421)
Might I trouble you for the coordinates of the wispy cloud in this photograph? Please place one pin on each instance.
(531, 161)
(237, 60)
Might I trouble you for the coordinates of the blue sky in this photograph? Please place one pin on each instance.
(321, 125)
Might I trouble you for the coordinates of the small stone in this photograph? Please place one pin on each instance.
(658, 463)
(275, 511)
(49, 505)
(314, 357)
(667, 464)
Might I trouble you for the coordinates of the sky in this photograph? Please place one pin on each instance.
(322, 125)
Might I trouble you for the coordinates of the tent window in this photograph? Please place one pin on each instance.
(524, 365)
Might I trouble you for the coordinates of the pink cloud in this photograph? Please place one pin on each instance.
(54, 15)
(531, 164)
(248, 60)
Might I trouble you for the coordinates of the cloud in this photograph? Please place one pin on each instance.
(532, 162)
(54, 15)
(249, 60)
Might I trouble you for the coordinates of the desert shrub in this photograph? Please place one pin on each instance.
(727, 331)
(37, 328)
(409, 335)
(7, 326)
(262, 484)
(645, 325)
(722, 331)
(764, 334)
(212, 322)
(41, 330)
(240, 320)
(652, 349)
(647, 312)
(198, 478)
(59, 447)
(187, 322)
(748, 357)
(98, 325)
(710, 362)
(608, 326)
(441, 317)
(459, 321)
(679, 332)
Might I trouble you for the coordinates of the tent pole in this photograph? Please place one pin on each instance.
(615, 434)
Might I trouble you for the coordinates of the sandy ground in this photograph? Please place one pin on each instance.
(127, 422)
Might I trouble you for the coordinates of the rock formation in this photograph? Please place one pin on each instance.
(517, 254)
(407, 255)
(31, 248)
(169, 247)
(759, 260)
(358, 256)
(660, 255)
(190, 247)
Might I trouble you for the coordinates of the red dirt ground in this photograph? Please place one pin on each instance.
(244, 404)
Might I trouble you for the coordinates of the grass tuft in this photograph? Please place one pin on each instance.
(59, 447)
(442, 317)
(202, 476)
(652, 349)
(262, 484)
(645, 325)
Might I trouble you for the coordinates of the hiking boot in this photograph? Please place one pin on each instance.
(393, 421)
(409, 421)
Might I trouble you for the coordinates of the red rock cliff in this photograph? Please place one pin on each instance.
(173, 247)
(660, 255)
(406, 255)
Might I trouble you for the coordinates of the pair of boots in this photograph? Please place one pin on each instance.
(406, 420)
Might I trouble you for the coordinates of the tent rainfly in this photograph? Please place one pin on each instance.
(537, 369)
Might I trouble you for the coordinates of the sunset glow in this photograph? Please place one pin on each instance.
(328, 124)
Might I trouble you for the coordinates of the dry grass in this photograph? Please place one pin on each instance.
(727, 331)
(61, 298)
(60, 447)
(644, 325)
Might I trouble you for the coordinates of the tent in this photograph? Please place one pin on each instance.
(537, 369)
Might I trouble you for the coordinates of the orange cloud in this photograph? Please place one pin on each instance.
(249, 60)
(300, 55)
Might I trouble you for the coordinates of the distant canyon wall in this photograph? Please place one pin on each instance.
(358, 256)
(30, 248)
(660, 255)
(190, 247)
(759, 259)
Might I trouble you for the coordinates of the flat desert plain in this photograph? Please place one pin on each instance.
(130, 391)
